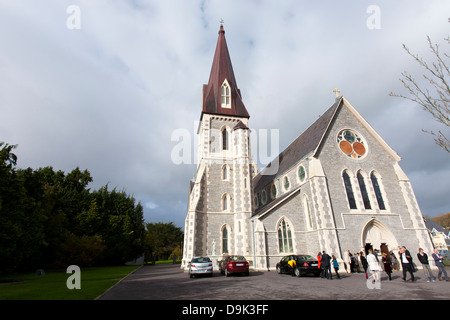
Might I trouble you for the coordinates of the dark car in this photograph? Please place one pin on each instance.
(305, 265)
(233, 264)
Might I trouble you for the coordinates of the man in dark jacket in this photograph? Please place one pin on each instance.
(438, 260)
(407, 263)
(326, 261)
(423, 258)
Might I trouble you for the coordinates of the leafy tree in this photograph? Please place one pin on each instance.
(161, 239)
(436, 103)
(443, 220)
(120, 223)
(50, 218)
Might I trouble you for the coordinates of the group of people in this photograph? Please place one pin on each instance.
(360, 263)
(325, 262)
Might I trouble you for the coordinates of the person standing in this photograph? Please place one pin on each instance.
(407, 263)
(320, 265)
(348, 261)
(374, 266)
(439, 261)
(326, 261)
(387, 264)
(364, 263)
(394, 261)
(335, 266)
(423, 258)
(292, 264)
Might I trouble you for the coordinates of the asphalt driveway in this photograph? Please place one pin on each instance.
(169, 282)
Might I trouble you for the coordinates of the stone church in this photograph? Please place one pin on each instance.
(338, 186)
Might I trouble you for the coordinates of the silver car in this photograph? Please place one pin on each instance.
(200, 265)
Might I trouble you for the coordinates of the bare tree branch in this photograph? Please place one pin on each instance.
(436, 103)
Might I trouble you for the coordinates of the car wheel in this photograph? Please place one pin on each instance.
(297, 272)
(278, 270)
(191, 276)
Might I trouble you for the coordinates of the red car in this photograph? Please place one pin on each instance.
(233, 264)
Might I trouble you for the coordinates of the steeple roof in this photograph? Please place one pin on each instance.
(222, 70)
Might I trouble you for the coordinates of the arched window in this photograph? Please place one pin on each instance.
(362, 187)
(225, 240)
(224, 139)
(349, 190)
(376, 188)
(286, 183)
(284, 237)
(301, 173)
(226, 95)
(307, 213)
(264, 197)
(225, 202)
(225, 172)
(274, 191)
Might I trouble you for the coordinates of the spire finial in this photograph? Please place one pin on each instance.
(221, 27)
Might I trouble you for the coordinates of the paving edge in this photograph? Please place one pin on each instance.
(107, 290)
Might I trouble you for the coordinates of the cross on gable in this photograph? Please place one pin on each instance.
(336, 91)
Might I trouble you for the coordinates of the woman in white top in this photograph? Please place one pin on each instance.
(374, 265)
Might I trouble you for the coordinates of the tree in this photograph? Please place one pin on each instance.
(443, 220)
(161, 239)
(436, 103)
(50, 218)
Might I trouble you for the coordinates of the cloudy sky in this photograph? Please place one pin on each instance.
(103, 85)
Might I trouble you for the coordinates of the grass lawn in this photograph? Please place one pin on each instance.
(52, 286)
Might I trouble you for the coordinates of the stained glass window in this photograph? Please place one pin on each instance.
(352, 144)
(225, 240)
(349, 190)
(362, 187)
(301, 173)
(274, 191)
(376, 188)
(286, 183)
(284, 237)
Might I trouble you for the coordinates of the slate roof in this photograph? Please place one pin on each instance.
(306, 143)
(430, 224)
(222, 69)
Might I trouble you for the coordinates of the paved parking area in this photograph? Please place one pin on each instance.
(169, 282)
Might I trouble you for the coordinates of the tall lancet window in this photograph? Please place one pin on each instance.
(362, 187)
(284, 237)
(376, 188)
(226, 95)
(225, 240)
(349, 190)
(224, 139)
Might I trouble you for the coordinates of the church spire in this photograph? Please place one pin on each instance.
(221, 95)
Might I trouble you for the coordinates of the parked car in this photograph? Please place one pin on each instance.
(305, 264)
(233, 264)
(200, 266)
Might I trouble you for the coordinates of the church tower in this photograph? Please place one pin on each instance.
(220, 195)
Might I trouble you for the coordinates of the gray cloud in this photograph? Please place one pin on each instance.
(109, 96)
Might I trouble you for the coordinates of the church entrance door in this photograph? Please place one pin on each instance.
(375, 235)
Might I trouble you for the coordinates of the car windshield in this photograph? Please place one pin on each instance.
(237, 258)
(306, 258)
(201, 259)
